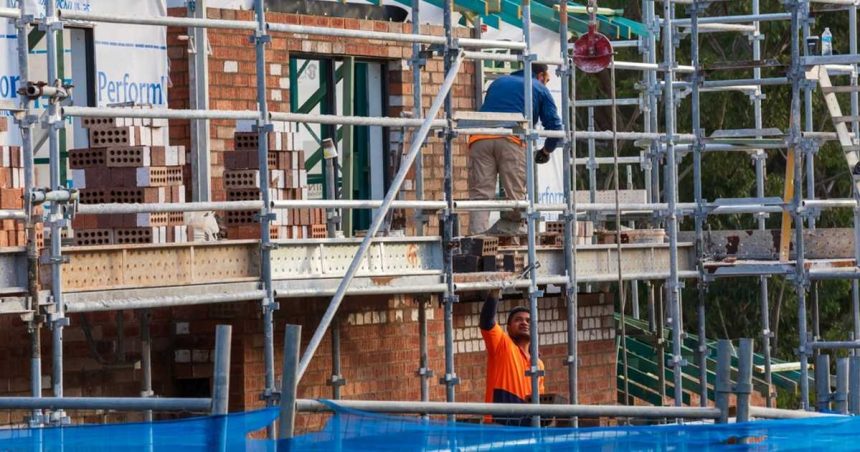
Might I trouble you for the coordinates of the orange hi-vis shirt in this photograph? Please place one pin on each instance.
(507, 381)
(475, 138)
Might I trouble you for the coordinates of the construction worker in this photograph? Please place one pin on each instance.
(491, 156)
(508, 357)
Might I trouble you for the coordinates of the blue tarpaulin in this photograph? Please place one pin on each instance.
(350, 430)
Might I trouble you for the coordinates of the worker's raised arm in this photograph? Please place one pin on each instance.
(488, 312)
(548, 115)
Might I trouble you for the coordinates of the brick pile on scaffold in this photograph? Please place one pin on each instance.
(129, 161)
(12, 232)
(288, 180)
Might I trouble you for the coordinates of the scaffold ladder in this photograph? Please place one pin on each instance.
(850, 148)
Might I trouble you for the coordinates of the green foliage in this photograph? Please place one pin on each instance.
(733, 307)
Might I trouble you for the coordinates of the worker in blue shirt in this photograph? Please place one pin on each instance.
(492, 157)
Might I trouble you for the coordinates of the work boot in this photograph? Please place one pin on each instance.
(507, 228)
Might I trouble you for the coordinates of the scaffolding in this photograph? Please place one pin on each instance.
(659, 163)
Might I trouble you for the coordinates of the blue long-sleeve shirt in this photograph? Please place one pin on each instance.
(506, 95)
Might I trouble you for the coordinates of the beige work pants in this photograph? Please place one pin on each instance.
(488, 159)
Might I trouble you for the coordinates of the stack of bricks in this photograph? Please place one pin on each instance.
(129, 161)
(11, 190)
(554, 234)
(288, 180)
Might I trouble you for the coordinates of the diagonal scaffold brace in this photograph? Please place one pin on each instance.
(378, 218)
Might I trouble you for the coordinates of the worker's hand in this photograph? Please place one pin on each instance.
(542, 156)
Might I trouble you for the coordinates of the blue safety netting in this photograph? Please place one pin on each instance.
(186, 435)
(351, 430)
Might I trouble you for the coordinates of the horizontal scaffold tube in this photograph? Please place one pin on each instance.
(155, 113)
(12, 215)
(157, 302)
(778, 413)
(356, 204)
(116, 209)
(106, 403)
(835, 345)
(561, 280)
(10, 13)
(460, 205)
(512, 409)
(741, 19)
(285, 28)
(166, 21)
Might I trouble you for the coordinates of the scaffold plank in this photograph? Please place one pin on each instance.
(835, 243)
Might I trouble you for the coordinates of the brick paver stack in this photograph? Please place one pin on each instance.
(11, 190)
(287, 180)
(128, 161)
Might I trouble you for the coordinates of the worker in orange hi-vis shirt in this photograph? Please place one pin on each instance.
(508, 357)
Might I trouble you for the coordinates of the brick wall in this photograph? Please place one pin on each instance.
(379, 347)
(233, 85)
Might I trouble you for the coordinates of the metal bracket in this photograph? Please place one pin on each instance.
(51, 23)
(270, 396)
(449, 379)
(336, 381)
(56, 320)
(531, 372)
(260, 37)
(263, 128)
(266, 216)
(47, 259)
(25, 20)
(424, 372)
(677, 360)
(271, 307)
(742, 388)
(453, 298)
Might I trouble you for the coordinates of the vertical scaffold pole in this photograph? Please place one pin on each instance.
(54, 123)
(146, 359)
(531, 214)
(760, 158)
(795, 142)
(263, 127)
(221, 368)
(25, 124)
(417, 62)
(424, 372)
(567, 75)
(651, 90)
(698, 149)
(450, 379)
(336, 380)
(855, 111)
(672, 198)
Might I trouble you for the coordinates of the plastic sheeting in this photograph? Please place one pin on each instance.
(351, 430)
(186, 435)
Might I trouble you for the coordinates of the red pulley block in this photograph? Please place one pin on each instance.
(592, 52)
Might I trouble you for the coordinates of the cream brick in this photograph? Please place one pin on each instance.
(275, 69)
(277, 96)
(182, 356)
(231, 67)
(182, 328)
(284, 83)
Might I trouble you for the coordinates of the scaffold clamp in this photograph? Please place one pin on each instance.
(260, 37)
(532, 372)
(449, 379)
